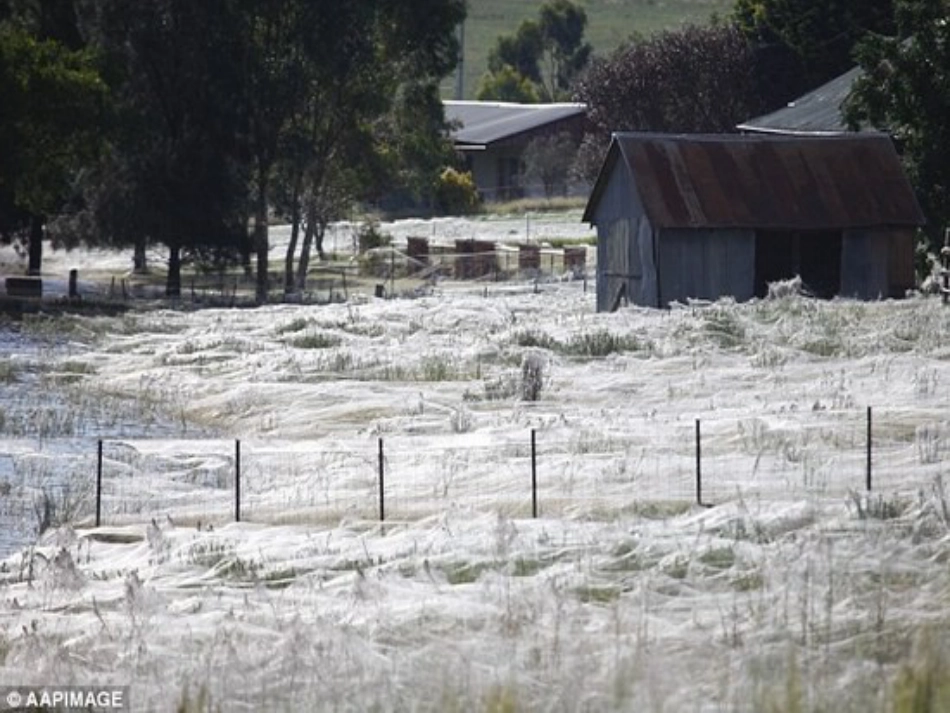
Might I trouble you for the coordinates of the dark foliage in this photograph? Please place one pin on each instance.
(905, 90)
(801, 44)
(692, 80)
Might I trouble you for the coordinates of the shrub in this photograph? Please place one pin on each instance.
(532, 376)
(601, 343)
(531, 338)
(370, 236)
(60, 504)
(456, 193)
(316, 341)
(369, 239)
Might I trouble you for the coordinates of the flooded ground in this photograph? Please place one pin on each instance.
(49, 431)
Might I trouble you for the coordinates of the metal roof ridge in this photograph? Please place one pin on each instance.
(514, 105)
(757, 135)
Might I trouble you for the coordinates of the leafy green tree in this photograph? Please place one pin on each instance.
(519, 52)
(507, 85)
(284, 41)
(174, 145)
(905, 90)
(368, 117)
(412, 147)
(804, 43)
(548, 54)
(49, 120)
(46, 20)
(231, 108)
(457, 193)
(565, 52)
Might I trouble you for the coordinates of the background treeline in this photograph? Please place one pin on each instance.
(181, 123)
(187, 125)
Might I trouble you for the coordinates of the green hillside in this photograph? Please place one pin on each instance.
(609, 23)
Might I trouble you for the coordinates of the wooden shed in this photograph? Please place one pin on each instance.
(707, 216)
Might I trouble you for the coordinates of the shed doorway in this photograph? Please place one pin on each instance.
(815, 256)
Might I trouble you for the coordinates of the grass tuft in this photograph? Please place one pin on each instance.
(600, 343)
(316, 340)
(923, 685)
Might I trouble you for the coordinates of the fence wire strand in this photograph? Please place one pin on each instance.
(580, 472)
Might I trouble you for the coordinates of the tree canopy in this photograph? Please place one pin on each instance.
(802, 44)
(219, 113)
(905, 90)
(542, 59)
(695, 79)
(49, 120)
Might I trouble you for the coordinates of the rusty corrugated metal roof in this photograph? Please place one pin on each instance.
(775, 182)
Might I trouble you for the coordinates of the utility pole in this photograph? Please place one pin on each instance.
(460, 77)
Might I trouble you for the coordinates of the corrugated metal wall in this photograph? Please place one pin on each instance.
(624, 245)
(706, 264)
(902, 276)
(877, 263)
(646, 244)
(864, 264)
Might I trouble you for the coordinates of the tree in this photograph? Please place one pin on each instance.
(507, 85)
(174, 145)
(411, 148)
(548, 161)
(48, 131)
(519, 52)
(695, 79)
(231, 108)
(547, 54)
(368, 112)
(802, 44)
(565, 52)
(283, 41)
(905, 90)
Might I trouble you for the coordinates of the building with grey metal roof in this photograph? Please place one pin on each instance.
(493, 136)
(682, 217)
(817, 113)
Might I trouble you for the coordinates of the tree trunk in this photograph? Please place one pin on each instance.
(246, 246)
(292, 245)
(319, 234)
(173, 281)
(36, 246)
(261, 246)
(289, 259)
(139, 258)
(304, 266)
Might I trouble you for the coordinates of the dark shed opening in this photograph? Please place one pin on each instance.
(813, 255)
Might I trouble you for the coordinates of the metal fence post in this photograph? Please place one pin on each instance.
(99, 485)
(237, 480)
(382, 484)
(534, 475)
(868, 469)
(699, 465)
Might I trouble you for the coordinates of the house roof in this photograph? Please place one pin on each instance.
(483, 123)
(763, 181)
(817, 113)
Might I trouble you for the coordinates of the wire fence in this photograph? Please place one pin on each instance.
(388, 271)
(572, 472)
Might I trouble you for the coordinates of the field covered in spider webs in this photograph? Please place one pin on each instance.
(797, 590)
